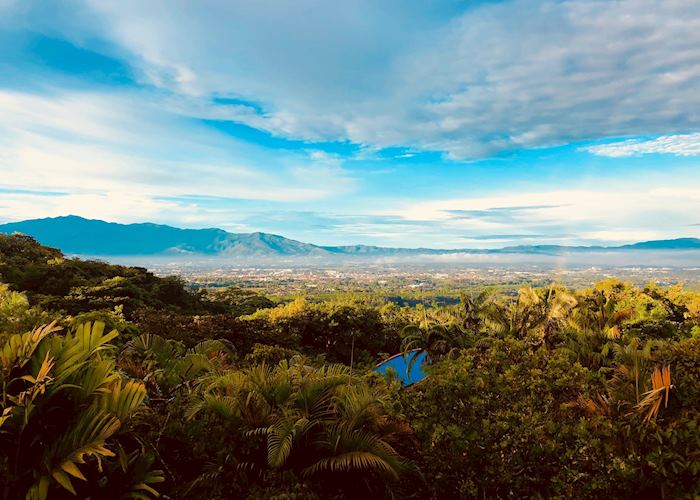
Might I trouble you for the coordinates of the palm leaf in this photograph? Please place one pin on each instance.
(18, 349)
(122, 400)
(281, 436)
(87, 437)
(661, 386)
(352, 460)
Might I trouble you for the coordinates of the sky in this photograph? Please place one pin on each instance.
(450, 124)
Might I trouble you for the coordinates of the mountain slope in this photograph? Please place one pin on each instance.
(76, 235)
(676, 244)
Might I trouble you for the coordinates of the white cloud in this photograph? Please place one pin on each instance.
(91, 144)
(118, 206)
(617, 214)
(423, 75)
(621, 235)
(678, 145)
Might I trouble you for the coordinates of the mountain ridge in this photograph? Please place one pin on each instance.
(80, 236)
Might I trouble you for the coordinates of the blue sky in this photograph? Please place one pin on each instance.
(401, 123)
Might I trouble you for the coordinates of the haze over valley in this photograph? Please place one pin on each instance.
(159, 244)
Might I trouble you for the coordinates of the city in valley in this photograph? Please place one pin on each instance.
(411, 282)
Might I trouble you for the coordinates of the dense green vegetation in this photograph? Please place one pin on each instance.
(120, 384)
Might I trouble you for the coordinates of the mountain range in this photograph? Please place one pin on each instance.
(79, 236)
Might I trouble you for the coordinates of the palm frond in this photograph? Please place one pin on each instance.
(123, 398)
(19, 348)
(281, 436)
(661, 388)
(86, 437)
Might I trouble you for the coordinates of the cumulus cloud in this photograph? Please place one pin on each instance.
(678, 145)
(429, 75)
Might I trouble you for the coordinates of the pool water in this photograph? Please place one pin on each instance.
(399, 363)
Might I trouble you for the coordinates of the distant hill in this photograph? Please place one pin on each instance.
(80, 236)
(676, 244)
(76, 235)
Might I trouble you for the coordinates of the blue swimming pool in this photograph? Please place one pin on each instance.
(399, 363)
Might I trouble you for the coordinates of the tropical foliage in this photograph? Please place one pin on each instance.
(63, 405)
(120, 384)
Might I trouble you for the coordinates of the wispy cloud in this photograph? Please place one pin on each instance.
(678, 145)
(621, 213)
(499, 214)
(469, 82)
(111, 206)
(510, 237)
(89, 143)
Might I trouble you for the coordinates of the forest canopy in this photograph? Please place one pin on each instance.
(121, 384)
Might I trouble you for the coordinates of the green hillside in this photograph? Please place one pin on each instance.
(120, 384)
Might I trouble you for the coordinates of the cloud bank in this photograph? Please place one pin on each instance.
(362, 121)
(469, 83)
